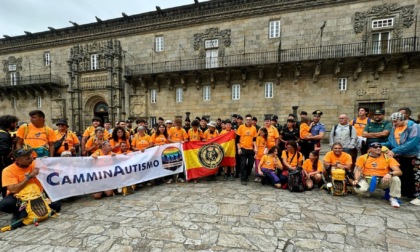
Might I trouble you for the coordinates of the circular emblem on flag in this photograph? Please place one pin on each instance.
(211, 155)
(171, 158)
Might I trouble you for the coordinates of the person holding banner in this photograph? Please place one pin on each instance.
(161, 136)
(195, 134)
(211, 132)
(141, 141)
(228, 170)
(105, 150)
(177, 134)
(118, 136)
(94, 143)
(124, 148)
(90, 132)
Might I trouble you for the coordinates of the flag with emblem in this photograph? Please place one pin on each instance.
(204, 158)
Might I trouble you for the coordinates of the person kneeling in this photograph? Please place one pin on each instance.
(105, 150)
(268, 165)
(375, 169)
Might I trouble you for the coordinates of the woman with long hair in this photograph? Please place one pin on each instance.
(118, 135)
(160, 137)
(313, 169)
(261, 143)
(291, 158)
(268, 165)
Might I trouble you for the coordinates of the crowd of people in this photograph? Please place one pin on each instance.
(362, 149)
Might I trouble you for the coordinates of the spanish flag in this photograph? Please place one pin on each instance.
(204, 158)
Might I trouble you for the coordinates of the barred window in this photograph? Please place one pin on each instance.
(274, 29)
(236, 92)
(206, 93)
(342, 84)
(383, 23)
(153, 96)
(268, 92)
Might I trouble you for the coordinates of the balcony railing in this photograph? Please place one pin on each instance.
(394, 46)
(30, 80)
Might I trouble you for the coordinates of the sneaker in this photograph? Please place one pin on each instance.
(415, 202)
(232, 178)
(180, 180)
(170, 181)
(394, 202)
(256, 179)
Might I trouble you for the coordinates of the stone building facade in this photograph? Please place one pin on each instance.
(219, 57)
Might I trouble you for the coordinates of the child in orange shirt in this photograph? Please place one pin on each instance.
(261, 150)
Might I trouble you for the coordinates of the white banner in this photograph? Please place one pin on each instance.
(63, 177)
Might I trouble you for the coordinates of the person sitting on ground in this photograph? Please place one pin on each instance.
(292, 159)
(105, 150)
(313, 170)
(386, 170)
(336, 159)
(268, 165)
(15, 177)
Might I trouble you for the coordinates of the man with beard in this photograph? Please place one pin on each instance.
(7, 124)
(378, 129)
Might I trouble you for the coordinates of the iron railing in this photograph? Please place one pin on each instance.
(394, 46)
(30, 80)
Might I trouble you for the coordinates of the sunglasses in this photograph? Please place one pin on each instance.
(377, 146)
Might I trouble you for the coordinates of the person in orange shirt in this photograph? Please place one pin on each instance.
(305, 131)
(15, 177)
(268, 165)
(105, 150)
(262, 149)
(124, 149)
(313, 170)
(195, 134)
(90, 132)
(161, 136)
(177, 134)
(36, 135)
(245, 139)
(359, 124)
(141, 141)
(292, 159)
(211, 132)
(94, 143)
(386, 168)
(119, 135)
(70, 140)
(336, 159)
(227, 170)
(272, 135)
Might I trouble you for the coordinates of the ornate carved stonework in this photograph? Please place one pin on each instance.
(361, 92)
(137, 105)
(381, 11)
(94, 81)
(223, 38)
(58, 109)
(12, 61)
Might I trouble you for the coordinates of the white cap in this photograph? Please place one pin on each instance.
(168, 121)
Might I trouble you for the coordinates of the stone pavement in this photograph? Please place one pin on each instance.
(222, 216)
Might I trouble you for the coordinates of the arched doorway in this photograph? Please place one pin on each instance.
(101, 110)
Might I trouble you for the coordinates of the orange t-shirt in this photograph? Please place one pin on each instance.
(36, 137)
(305, 130)
(225, 131)
(376, 166)
(398, 131)
(270, 162)
(90, 143)
(71, 139)
(195, 135)
(90, 132)
(359, 125)
(113, 143)
(308, 166)
(261, 145)
(272, 135)
(343, 159)
(99, 153)
(120, 152)
(13, 175)
(207, 135)
(247, 135)
(159, 140)
(292, 159)
(177, 135)
(141, 142)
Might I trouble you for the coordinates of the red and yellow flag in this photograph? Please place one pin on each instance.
(204, 158)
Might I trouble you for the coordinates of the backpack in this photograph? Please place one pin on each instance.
(338, 185)
(296, 180)
(354, 121)
(32, 201)
(335, 129)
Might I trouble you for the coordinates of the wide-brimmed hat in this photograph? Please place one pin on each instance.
(62, 121)
(212, 124)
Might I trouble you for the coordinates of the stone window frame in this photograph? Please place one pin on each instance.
(153, 96)
(39, 101)
(269, 90)
(179, 94)
(236, 92)
(13, 78)
(272, 33)
(47, 59)
(382, 21)
(159, 43)
(206, 93)
(152, 121)
(94, 61)
(342, 84)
